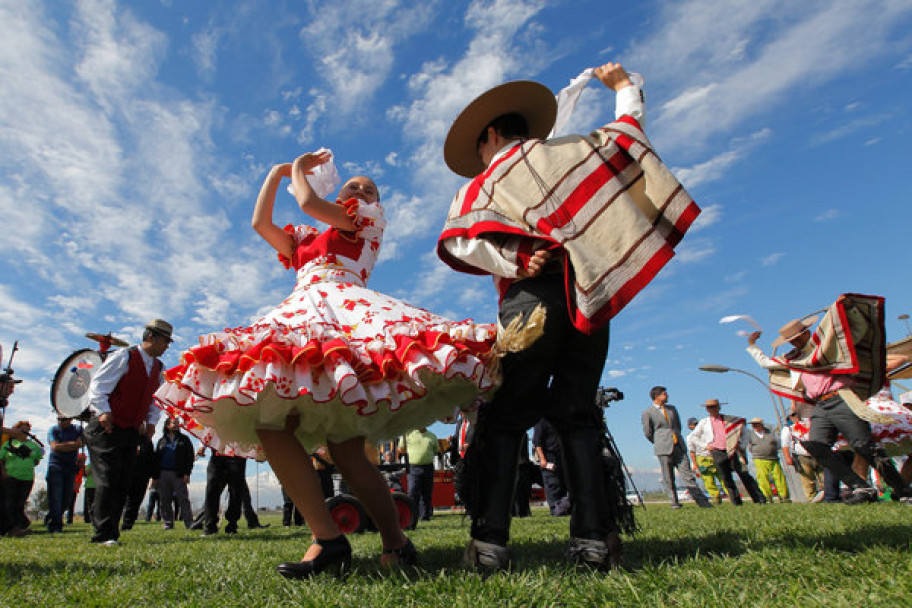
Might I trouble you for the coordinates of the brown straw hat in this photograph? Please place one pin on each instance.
(756, 421)
(711, 403)
(160, 327)
(793, 329)
(531, 100)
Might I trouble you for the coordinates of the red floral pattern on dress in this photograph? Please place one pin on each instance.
(350, 361)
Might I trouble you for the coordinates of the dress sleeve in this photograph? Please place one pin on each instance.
(367, 218)
(298, 233)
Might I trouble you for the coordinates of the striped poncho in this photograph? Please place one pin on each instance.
(606, 200)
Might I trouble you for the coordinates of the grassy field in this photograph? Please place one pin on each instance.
(774, 555)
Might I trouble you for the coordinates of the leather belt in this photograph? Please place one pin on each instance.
(826, 396)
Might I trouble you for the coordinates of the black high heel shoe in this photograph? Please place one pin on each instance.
(336, 556)
(406, 555)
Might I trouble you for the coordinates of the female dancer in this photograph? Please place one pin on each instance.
(334, 364)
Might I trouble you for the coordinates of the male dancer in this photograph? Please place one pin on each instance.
(575, 227)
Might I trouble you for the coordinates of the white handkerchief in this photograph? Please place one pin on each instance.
(324, 178)
(745, 318)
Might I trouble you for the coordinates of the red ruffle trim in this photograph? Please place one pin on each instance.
(384, 365)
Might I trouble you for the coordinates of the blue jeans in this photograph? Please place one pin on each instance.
(59, 489)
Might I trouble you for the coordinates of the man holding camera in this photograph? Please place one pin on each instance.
(19, 459)
(120, 398)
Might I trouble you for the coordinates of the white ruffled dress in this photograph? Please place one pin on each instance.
(350, 361)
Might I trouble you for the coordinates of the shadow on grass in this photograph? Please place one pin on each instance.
(728, 543)
(647, 552)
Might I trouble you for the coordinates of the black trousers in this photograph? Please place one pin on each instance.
(15, 495)
(727, 465)
(553, 482)
(112, 456)
(88, 501)
(555, 378)
(139, 483)
(831, 481)
(290, 514)
(224, 471)
(421, 488)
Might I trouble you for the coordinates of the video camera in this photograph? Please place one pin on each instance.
(606, 395)
(6, 377)
(22, 451)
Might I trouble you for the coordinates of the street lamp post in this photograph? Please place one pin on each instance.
(721, 369)
(905, 319)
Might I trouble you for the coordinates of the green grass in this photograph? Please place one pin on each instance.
(774, 555)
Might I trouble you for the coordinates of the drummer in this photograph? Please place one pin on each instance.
(65, 440)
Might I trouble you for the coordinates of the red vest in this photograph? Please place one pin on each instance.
(132, 397)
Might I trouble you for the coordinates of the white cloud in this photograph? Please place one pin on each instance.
(205, 47)
(715, 168)
(829, 214)
(354, 42)
(752, 57)
(694, 250)
(772, 259)
(709, 215)
(847, 128)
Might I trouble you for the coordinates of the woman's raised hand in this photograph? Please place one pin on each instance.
(307, 162)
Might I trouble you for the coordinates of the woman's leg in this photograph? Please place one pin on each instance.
(370, 487)
(291, 464)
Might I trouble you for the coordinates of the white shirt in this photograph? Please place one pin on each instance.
(105, 381)
(703, 435)
(693, 446)
(788, 441)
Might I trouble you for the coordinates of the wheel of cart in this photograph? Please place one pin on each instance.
(348, 513)
(405, 507)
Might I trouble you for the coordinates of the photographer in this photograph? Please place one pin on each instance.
(20, 459)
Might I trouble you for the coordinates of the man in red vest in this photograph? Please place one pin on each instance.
(121, 402)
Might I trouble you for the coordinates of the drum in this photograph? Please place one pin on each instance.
(70, 389)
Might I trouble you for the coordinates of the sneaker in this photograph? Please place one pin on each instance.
(861, 494)
(210, 532)
(110, 543)
(818, 497)
(259, 526)
(486, 557)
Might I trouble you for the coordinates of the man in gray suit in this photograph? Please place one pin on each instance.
(662, 428)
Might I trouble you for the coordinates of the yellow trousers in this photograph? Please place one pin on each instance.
(771, 470)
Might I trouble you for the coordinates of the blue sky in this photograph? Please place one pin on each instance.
(135, 136)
